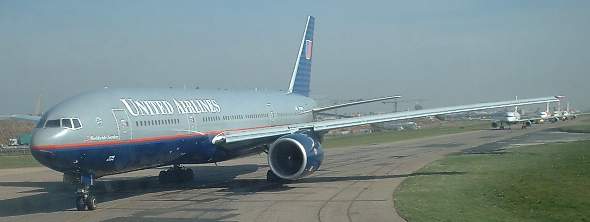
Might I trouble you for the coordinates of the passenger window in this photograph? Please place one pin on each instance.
(76, 123)
(52, 123)
(66, 123)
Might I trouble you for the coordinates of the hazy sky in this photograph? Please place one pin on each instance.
(446, 52)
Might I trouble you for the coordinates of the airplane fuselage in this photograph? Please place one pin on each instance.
(112, 131)
(507, 117)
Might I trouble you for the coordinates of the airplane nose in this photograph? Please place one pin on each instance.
(44, 137)
(46, 147)
(39, 141)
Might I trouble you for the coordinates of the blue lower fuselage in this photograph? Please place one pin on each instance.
(117, 158)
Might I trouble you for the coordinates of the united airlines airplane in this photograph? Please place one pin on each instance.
(112, 131)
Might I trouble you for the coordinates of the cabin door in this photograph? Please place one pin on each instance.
(271, 114)
(192, 122)
(123, 125)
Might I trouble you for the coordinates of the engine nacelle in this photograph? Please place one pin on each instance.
(295, 156)
(528, 123)
(494, 125)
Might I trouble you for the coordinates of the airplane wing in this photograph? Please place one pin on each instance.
(319, 126)
(320, 109)
(32, 118)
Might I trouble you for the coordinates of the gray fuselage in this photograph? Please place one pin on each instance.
(118, 130)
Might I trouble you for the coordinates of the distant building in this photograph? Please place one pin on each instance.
(25, 139)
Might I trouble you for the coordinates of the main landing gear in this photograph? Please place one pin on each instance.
(176, 174)
(85, 200)
(273, 178)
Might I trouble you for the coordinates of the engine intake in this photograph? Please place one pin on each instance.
(295, 156)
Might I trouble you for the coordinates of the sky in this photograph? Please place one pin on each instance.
(439, 52)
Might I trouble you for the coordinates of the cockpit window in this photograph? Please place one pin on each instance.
(76, 123)
(54, 123)
(66, 123)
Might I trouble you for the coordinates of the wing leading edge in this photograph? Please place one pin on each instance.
(238, 136)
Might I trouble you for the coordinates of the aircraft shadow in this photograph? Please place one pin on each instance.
(53, 197)
(57, 196)
(376, 177)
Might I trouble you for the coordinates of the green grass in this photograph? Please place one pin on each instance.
(535, 183)
(576, 128)
(17, 161)
(392, 136)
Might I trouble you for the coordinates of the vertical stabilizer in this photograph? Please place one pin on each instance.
(38, 107)
(516, 107)
(301, 76)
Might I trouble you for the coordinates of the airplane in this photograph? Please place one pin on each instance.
(113, 131)
(566, 114)
(503, 120)
(546, 116)
(33, 117)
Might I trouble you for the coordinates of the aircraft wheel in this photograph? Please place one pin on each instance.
(80, 204)
(186, 175)
(90, 202)
(272, 177)
(164, 177)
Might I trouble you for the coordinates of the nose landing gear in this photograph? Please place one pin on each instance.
(85, 200)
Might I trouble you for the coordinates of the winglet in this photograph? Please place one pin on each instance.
(301, 76)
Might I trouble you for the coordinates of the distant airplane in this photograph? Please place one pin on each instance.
(503, 120)
(564, 115)
(34, 117)
(112, 131)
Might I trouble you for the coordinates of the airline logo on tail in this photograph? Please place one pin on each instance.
(308, 49)
(301, 76)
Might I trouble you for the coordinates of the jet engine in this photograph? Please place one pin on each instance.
(528, 123)
(494, 125)
(295, 156)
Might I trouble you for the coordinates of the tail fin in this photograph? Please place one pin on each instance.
(301, 76)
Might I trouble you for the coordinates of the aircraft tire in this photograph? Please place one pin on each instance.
(273, 178)
(90, 202)
(186, 175)
(80, 204)
(164, 177)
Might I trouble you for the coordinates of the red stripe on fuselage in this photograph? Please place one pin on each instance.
(138, 140)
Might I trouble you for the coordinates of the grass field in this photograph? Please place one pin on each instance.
(17, 161)
(392, 136)
(536, 183)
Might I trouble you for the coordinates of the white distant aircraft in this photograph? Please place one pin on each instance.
(503, 120)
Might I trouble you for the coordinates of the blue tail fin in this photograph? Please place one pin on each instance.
(302, 71)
